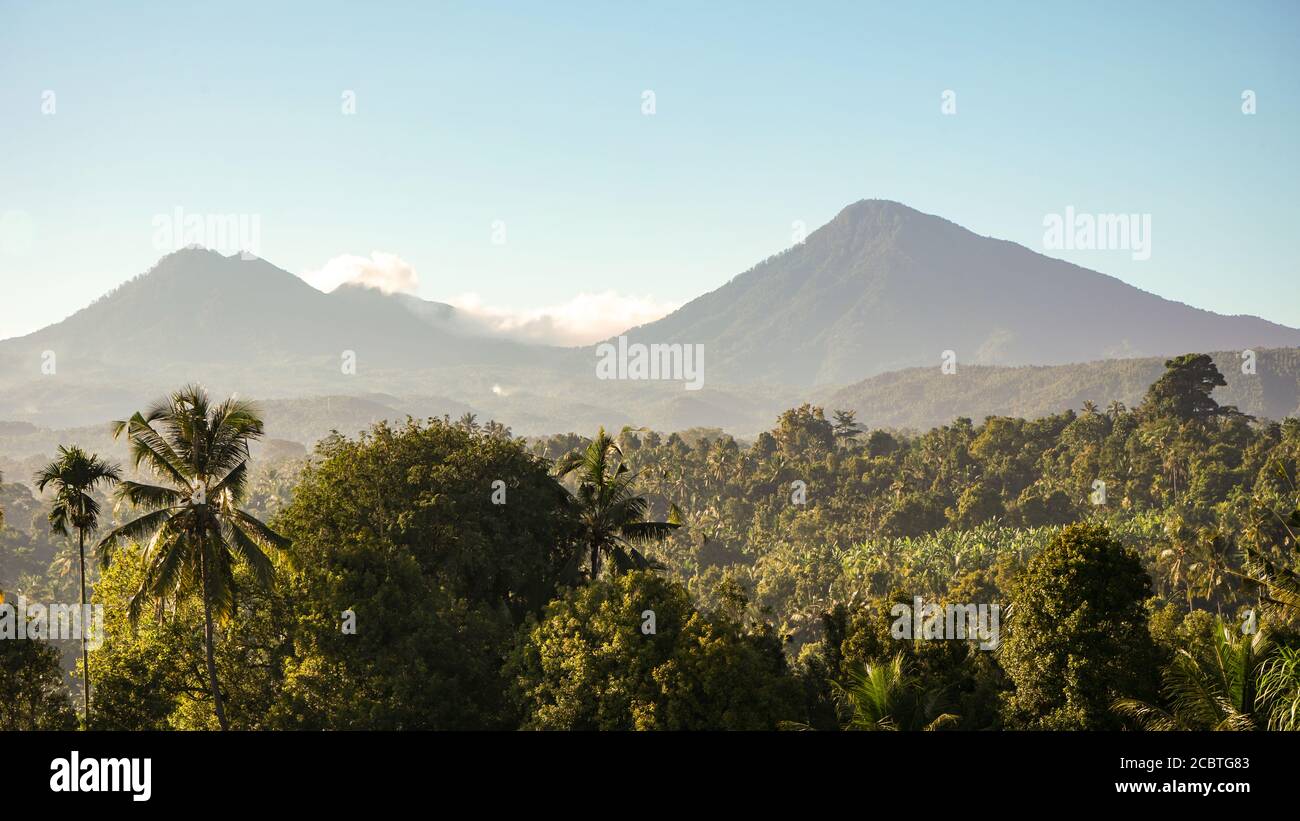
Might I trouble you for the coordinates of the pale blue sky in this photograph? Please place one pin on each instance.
(767, 113)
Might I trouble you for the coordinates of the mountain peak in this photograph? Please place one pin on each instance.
(873, 216)
(883, 286)
(198, 253)
(194, 263)
(873, 207)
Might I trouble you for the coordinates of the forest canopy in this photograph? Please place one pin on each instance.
(448, 575)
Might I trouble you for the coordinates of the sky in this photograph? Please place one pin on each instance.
(505, 157)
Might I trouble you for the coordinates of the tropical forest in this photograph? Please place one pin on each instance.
(1131, 567)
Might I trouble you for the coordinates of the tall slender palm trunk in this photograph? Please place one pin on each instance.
(85, 622)
(217, 703)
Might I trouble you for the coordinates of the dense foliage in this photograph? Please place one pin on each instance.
(633, 653)
(448, 575)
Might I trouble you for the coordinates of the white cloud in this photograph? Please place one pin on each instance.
(387, 272)
(582, 320)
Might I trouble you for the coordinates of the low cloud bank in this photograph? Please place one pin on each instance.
(582, 320)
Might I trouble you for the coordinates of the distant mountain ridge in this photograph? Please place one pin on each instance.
(922, 398)
(915, 398)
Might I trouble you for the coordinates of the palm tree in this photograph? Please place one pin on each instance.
(719, 462)
(1218, 692)
(1089, 407)
(1163, 438)
(1279, 689)
(74, 476)
(1174, 573)
(610, 516)
(1278, 584)
(468, 422)
(1115, 410)
(885, 697)
(194, 525)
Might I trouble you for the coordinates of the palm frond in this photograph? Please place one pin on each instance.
(1279, 689)
(139, 494)
(134, 530)
(247, 550)
(1148, 716)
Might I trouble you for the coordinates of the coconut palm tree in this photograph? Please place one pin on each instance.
(468, 422)
(74, 476)
(195, 528)
(1279, 688)
(610, 516)
(1278, 587)
(1277, 582)
(886, 697)
(1162, 436)
(1218, 692)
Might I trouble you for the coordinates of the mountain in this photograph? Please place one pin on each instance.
(199, 309)
(921, 398)
(246, 326)
(884, 287)
(880, 288)
(238, 325)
